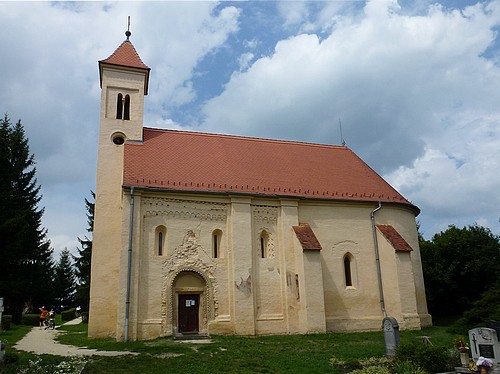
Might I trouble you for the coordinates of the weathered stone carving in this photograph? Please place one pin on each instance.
(267, 214)
(265, 219)
(245, 285)
(270, 247)
(186, 258)
(186, 209)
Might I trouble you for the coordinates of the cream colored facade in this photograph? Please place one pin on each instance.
(239, 289)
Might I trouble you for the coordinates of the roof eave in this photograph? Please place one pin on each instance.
(130, 68)
(408, 205)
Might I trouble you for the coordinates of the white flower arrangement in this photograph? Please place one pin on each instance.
(485, 362)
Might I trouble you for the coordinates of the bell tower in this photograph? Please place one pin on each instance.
(124, 82)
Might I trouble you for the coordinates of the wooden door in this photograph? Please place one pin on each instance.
(188, 312)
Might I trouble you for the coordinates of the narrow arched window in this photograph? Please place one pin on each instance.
(160, 243)
(263, 244)
(160, 235)
(119, 106)
(216, 240)
(347, 271)
(126, 109)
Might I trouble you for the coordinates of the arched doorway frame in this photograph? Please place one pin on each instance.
(170, 299)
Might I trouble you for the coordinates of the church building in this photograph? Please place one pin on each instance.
(199, 233)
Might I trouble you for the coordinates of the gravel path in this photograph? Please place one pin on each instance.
(43, 342)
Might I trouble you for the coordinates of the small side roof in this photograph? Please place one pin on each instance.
(126, 56)
(306, 237)
(393, 237)
(201, 162)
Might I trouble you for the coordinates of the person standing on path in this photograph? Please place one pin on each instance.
(43, 315)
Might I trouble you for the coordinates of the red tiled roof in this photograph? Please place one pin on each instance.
(306, 237)
(396, 240)
(126, 55)
(190, 161)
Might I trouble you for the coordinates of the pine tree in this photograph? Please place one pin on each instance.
(25, 253)
(64, 282)
(82, 260)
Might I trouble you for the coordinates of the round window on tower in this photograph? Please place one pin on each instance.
(118, 138)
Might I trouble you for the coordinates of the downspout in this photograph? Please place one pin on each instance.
(377, 260)
(129, 264)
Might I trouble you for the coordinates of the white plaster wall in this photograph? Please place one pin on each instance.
(268, 282)
(346, 228)
(404, 222)
(341, 229)
(290, 291)
(108, 235)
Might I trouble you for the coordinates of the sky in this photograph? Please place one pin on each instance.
(415, 86)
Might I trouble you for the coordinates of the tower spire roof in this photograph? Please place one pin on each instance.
(126, 56)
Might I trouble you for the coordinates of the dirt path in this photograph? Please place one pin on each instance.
(43, 342)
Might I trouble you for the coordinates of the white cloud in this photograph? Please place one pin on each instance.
(458, 183)
(293, 12)
(416, 93)
(245, 60)
(49, 79)
(417, 100)
(251, 44)
(186, 33)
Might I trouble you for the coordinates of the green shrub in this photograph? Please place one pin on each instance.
(376, 361)
(408, 367)
(484, 310)
(375, 365)
(42, 364)
(30, 319)
(6, 321)
(10, 357)
(431, 358)
(345, 365)
(68, 315)
(372, 370)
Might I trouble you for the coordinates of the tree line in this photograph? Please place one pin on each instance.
(461, 265)
(462, 275)
(29, 275)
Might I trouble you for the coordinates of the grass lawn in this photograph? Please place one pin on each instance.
(229, 354)
(24, 362)
(14, 334)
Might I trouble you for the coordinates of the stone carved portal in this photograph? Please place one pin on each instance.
(189, 289)
(187, 277)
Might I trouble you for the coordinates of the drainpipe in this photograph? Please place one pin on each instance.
(377, 260)
(129, 267)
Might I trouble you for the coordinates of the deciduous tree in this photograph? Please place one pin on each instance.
(459, 266)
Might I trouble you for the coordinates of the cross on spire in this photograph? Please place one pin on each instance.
(128, 33)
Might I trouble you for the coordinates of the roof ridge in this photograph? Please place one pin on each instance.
(249, 138)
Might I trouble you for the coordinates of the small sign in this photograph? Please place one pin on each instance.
(486, 350)
(188, 303)
(193, 302)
